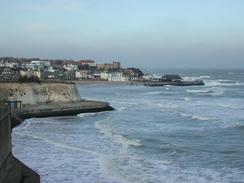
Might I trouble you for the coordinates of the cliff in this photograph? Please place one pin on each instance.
(39, 93)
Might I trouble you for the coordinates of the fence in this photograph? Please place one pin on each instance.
(12, 104)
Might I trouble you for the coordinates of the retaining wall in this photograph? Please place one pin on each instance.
(5, 134)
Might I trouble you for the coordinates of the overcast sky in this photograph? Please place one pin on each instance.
(142, 33)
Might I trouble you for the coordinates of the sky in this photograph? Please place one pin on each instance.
(140, 33)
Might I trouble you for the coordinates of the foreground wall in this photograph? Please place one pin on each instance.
(5, 135)
(11, 169)
(35, 93)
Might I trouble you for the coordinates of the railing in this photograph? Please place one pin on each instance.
(12, 104)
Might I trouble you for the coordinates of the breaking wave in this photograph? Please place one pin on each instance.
(115, 137)
(200, 91)
(233, 106)
(214, 91)
(201, 118)
(58, 144)
(90, 114)
(222, 83)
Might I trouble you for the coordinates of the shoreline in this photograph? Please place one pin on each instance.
(90, 82)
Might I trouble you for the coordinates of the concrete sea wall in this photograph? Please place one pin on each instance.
(39, 93)
(11, 169)
(5, 135)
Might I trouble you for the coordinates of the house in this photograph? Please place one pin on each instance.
(70, 67)
(134, 74)
(117, 76)
(104, 75)
(81, 74)
(8, 74)
(109, 66)
(30, 75)
(37, 65)
(170, 77)
(147, 77)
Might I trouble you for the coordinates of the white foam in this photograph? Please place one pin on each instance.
(214, 91)
(231, 106)
(221, 83)
(24, 125)
(57, 144)
(200, 91)
(153, 93)
(115, 137)
(201, 118)
(187, 99)
(224, 80)
(90, 114)
(205, 77)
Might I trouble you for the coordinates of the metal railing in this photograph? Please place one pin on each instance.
(12, 104)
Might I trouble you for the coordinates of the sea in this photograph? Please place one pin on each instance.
(168, 134)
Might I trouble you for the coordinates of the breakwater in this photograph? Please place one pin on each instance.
(59, 109)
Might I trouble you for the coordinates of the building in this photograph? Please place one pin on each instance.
(116, 65)
(30, 75)
(70, 67)
(147, 77)
(104, 75)
(134, 74)
(90, 63)
(109, 66)
(37, 65)
(117, 76)
(81, 74)
(170, 77)
(9, 74)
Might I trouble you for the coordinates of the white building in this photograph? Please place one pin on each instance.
(147, 77)
(104, 75)
(38, 65)
(117, 76)
(70, 67)
(81, 74)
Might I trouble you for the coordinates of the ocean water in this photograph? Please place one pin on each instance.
(156, 134)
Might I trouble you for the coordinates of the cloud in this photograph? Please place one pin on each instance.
(52, 5)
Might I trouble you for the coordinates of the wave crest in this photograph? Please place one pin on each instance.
(116, 138)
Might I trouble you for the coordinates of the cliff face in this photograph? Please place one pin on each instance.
(35, 93)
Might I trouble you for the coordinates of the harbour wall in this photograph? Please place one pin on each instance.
(39, 93)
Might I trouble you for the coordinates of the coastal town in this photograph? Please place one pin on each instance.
(35, 69)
